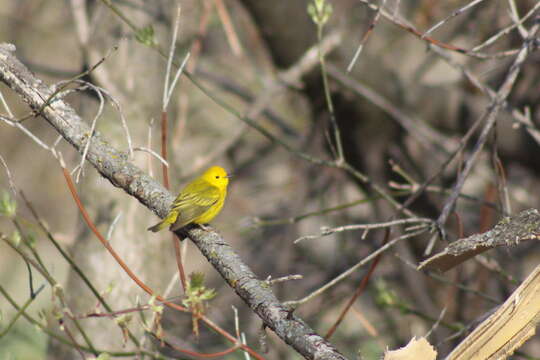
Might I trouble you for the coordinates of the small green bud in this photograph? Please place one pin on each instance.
(8, 205)
(145, 36)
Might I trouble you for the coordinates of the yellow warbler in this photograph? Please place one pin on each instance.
(198, 202)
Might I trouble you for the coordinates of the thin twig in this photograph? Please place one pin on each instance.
(356, 294)
(326, 231)
(11, 183)
(436, 324)
(452, 15)
(170, 57)
(352, 269)
(201, 355)
(18, 125)
(507, 29)
(271, 281)
(366, 36)
(152, 153)
(167, 94)
(432, 41)
(21, 311)
(164, 132)
(195, 50)
(329, 102)
(92, 129)
(515, 18)
(113, 226)
(426, 136)
(232, 37)
(298, 218)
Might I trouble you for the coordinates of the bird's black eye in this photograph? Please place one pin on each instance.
(217, 176)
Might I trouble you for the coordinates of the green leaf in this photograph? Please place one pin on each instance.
(196, 292)
(124, 320)
(15, 238)
(31, 240)
(104, 356)
(145, 35)
(196, 280)
(319, 11)
(8, 206)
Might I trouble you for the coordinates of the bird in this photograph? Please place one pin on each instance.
(198, 202)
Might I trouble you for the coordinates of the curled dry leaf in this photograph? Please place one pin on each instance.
(414, 350)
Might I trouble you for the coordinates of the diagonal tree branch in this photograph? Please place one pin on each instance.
(115, 166)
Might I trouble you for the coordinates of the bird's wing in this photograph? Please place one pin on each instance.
(194, 201)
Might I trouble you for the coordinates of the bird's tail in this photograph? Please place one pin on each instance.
(169, 219)
(159, 226)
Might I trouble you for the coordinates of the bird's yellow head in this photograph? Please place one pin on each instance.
(217, 176)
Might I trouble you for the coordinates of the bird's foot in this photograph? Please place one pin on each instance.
(205, 227)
